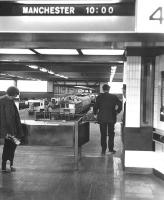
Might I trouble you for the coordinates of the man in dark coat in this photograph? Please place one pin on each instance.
(10, 126)
(107, 107)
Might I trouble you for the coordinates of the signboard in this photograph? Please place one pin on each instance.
(115, 9)
(150, 16)
(75, 16)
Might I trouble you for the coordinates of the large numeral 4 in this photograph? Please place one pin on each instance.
(157, 15)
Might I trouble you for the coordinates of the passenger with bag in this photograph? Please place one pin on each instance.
(10, 127)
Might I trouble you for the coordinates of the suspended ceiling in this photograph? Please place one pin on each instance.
(76, 68)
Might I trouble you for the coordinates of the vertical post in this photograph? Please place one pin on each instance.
(79, 151)
(76, 145)
(15, 82)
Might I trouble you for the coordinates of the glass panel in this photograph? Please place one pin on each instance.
(147, 92)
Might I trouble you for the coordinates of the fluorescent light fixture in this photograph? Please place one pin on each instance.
(3, 74)
(57, 74)
(65, 77)
(61, 76)
(58, 51)
(113, 71)
(11, 75)
(51, 72)
(84, 87)
(33, 66)
(113, 68)
(16, 51)
(102, 51)
(43, 69)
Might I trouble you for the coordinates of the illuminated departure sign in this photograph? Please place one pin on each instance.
(113, 9)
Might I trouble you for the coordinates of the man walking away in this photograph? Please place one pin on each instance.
(106, 108)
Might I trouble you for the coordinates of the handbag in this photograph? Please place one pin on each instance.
(15, 140)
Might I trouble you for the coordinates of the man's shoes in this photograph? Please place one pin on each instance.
(112, 151)
(5, 171)
(103, 153)
(12, 169)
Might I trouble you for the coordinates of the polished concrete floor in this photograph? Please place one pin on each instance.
(47, 173)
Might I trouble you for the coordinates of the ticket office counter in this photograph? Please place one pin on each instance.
(72, 134)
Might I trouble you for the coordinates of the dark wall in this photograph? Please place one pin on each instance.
(139, 139)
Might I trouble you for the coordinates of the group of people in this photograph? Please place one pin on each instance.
(105, 109)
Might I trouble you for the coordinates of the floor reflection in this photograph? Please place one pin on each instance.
(47, 173)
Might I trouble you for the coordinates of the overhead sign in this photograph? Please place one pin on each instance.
(75, 16)
(115, 9)
(150, 16)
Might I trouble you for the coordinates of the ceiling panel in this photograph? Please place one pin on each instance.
(87, 68)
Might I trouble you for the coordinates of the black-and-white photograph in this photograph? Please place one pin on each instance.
(82, 99)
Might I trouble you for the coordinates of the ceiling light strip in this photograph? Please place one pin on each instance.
(16, 51)
(57, 51)
(103, 51)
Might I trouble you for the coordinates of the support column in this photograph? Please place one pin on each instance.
(137, 138)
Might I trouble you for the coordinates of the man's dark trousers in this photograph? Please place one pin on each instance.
(104, 129)
(8, 152)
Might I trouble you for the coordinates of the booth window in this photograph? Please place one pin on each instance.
(162, 97)
(147, 93)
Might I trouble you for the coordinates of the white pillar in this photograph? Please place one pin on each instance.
(133, 83)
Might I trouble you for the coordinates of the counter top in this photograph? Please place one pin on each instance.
(158, 131)
(48, 123)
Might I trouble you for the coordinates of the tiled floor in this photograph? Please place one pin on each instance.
(47, 173)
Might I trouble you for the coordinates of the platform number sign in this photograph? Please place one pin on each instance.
(150, 16)
(157, 15)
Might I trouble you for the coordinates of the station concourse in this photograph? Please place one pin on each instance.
(59, 54)
(47, 172)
